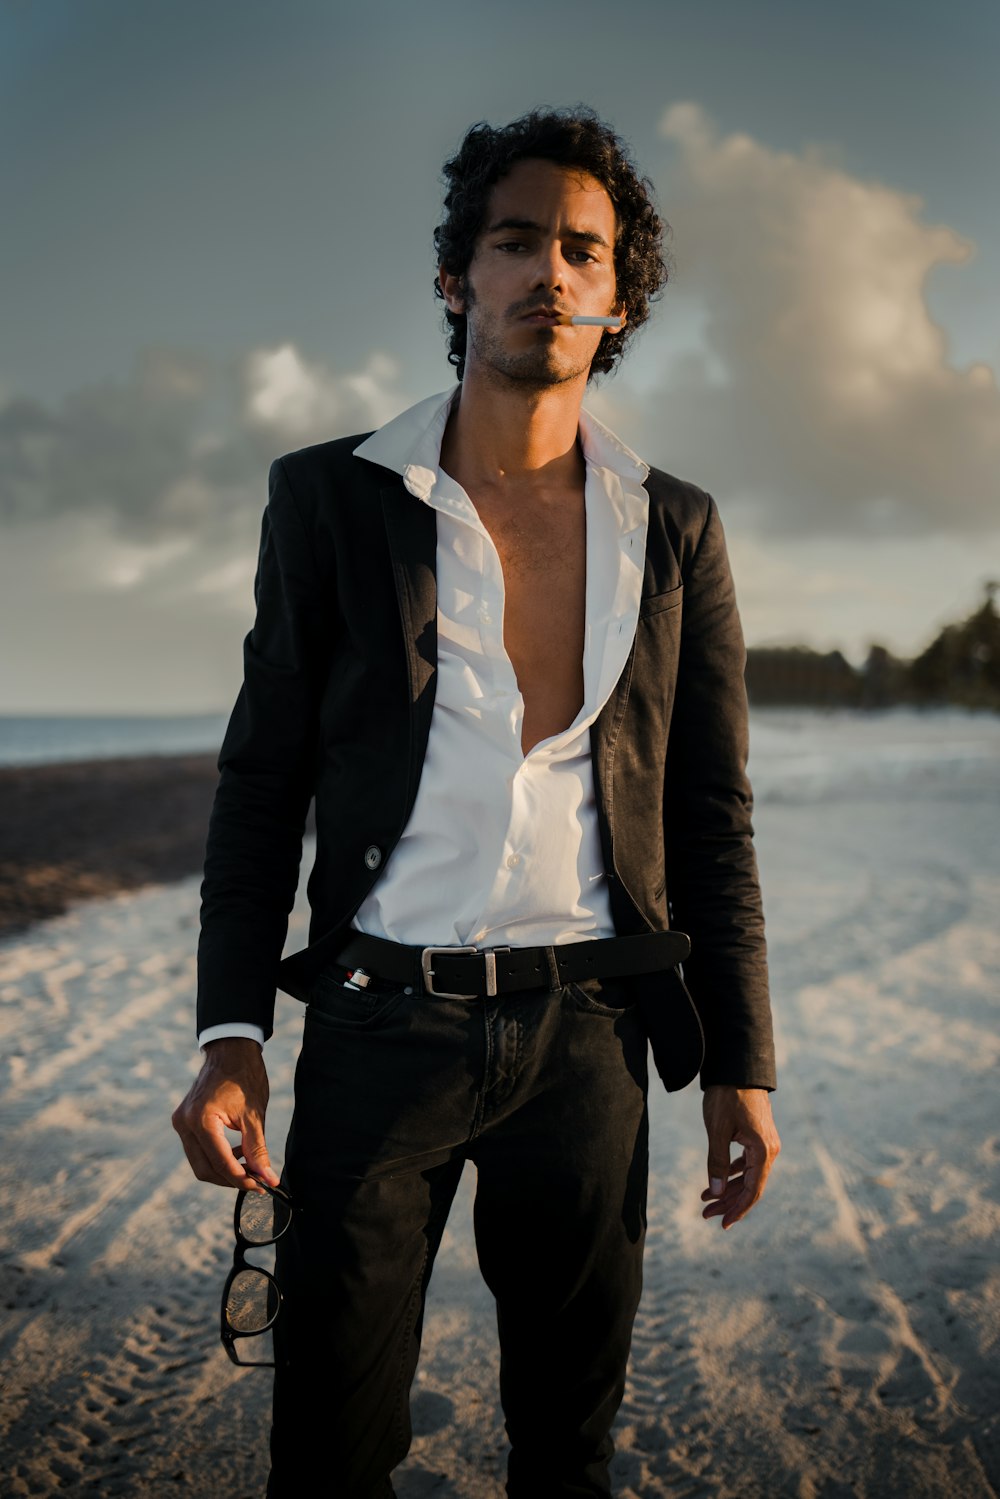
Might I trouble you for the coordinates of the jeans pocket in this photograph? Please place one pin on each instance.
(609, 997)
(337, 1003)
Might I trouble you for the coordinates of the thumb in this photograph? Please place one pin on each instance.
(258, 1162)
(718, 1164)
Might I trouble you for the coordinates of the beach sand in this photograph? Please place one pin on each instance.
(842, 1341)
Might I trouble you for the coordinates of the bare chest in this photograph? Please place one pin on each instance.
(543, 556)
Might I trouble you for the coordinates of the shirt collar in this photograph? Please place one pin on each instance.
(410, 445)
(603, 449)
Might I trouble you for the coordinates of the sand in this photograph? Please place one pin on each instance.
(840, 1342)
(93, 827)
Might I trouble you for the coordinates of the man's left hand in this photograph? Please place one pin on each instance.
(743, 1115)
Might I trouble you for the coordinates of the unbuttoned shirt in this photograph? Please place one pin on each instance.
(503, 849)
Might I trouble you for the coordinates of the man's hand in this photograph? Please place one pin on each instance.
(230, 1092)
(743, 1115)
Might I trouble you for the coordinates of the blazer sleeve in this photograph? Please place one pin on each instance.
(711, 867)
(267, 772)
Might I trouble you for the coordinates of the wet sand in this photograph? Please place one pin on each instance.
(840, 1344)
(91, 828)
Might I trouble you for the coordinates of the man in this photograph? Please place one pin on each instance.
(504, 655)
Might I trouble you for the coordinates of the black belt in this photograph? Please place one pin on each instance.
(472, 973)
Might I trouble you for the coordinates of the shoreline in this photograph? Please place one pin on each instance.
(78, 830)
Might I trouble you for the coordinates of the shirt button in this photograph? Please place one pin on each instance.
(513, 860)
(373, 856)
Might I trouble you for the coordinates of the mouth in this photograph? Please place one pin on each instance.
(544, 317)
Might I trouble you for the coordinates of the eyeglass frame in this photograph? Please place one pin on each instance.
(227, 1332)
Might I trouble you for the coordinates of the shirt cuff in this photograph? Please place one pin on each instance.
(233, 1028)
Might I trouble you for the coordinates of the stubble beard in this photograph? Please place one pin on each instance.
(533, 370)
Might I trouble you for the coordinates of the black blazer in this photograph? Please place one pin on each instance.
(339, 679)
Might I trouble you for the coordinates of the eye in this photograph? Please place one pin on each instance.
(510, 244)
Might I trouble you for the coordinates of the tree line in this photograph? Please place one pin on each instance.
(960, 667)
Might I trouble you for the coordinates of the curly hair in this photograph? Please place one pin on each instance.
(574, 138)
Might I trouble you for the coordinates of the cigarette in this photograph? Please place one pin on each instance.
(589, 322)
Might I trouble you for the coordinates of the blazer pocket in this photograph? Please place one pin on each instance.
(657, 603)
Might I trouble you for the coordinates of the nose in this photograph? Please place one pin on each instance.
(548, 267)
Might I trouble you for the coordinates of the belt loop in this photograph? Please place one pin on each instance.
(555, 982)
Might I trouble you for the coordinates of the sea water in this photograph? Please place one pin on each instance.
(796, 754)
(48, 739)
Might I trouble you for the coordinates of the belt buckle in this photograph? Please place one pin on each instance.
(428, 972)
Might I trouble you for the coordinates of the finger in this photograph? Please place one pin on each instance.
(760, 1160)
(732, 1190)
(249, 1182)
(739, 1209)
(736, 1202)
(203, 1167)
(718, 1164)
(736, 1168)
(258, 1162)
(717, 1206)
(210, 1131)
(754, 1180)
(210, 1134)
(718, 1187)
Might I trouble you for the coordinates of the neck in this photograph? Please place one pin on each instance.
(503, 435)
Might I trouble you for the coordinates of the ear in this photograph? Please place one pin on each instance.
(621, 315)
(451, 286)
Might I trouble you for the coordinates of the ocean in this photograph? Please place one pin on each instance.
(796, 754)
(50, 739)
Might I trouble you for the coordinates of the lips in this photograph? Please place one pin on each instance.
(547, 315)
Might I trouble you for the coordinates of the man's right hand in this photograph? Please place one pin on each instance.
(230, 1092)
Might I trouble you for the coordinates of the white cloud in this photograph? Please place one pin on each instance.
(123, 566)
(131, 519)
(182, 447)
(824, 400)
(285, 392)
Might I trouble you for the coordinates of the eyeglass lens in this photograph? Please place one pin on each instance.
(252, 1303)
(263, 1218)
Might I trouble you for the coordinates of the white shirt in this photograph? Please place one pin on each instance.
(503, 848)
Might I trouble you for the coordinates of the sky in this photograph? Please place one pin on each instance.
(217, 248)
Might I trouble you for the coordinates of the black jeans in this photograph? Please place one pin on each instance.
(394, 1091)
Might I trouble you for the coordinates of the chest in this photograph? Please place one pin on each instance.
(541, 547)
(543, 560)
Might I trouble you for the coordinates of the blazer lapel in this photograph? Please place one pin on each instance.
(411, 527)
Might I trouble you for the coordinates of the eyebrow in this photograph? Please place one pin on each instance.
(584, 236)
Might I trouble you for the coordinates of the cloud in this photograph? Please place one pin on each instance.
(131, 514)
(131, 519)
(181, 449)
(286, 394)
(821, 395)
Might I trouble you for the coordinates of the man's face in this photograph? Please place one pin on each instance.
(547, 245)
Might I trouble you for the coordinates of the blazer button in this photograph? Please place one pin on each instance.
(373, 856)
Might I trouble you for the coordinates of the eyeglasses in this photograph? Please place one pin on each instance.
(251, 1299)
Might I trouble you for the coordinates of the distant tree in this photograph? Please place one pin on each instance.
(962, 665)
(884, 679)
(797, 675)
